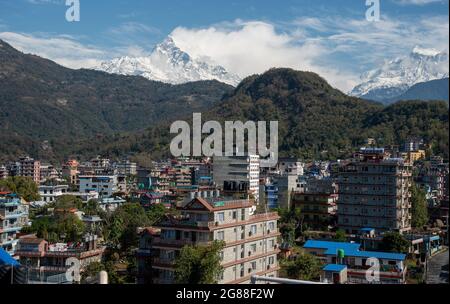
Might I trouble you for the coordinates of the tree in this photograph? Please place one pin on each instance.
(304, 267)
(156, 212)
(199, 264)
(340, 236)
(121, 226)
(394, 242)
(25, 187)
(291, 224)
(419, 207)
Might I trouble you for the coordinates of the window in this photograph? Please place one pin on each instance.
(220, 217)
(221, 235)
(253, 265)
(272, 226)
(253, 247)
(271, 260)
(234, 215)
(253, 230)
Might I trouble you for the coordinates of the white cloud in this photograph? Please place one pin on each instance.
(417, 2)
(61, 49)
(247, 48)
(338, 49)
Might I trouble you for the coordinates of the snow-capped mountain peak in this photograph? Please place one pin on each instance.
(168, 63)
(398, 75)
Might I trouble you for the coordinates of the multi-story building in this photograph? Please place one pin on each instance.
(374, 191)
(106, 186)
(251, 240)
(13, 216)
(45, 261)
(318, 204)
(3, 172)
(70, 171)
(50, 194)
(27, 167)
(126, 168)
(237, 174)
(48, 172)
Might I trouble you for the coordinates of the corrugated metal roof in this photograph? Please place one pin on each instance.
(334, 267)
(6, 259)
(352, 249)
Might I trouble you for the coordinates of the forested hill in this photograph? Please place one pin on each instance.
(315, 120)
(44, 106)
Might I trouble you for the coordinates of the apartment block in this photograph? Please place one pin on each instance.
(237, 174)
(27, 167)
(374, 191)
(105, 186)
(251, 240)
(13, 216)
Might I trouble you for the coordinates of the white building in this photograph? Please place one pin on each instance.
(237, 174)
(51, 193)
(105, 186)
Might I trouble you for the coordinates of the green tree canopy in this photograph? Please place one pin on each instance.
(394, 242)
(419, 207)
(199, 264)
(340, 236)
(25, 187)
(304, 267)
(121, 226)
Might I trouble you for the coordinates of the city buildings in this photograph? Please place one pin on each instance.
(237, 174)
(13, 216)
(251, 244)
(374, 191)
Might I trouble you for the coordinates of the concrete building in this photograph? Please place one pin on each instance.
(70, 171)
(106, 186)
(127, 168)
(13, 216)
(27, 167)
(46, 260)
(237, 174)
(251, 245)
(50, 194)
(374, 191)
(3, 172)
(318, 209)
(392, 268)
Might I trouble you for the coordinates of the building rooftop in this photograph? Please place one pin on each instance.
(352, 249)
(6, 259)
(334, 267)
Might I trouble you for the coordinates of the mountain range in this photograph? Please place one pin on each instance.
(52, 113)
(388, 83)
(169, 64)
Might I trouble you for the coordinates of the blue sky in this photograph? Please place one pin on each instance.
(332, 38)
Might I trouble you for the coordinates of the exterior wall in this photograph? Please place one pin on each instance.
(375, 195)
(51, 193)
(106, 186)
(251, 242)
(318, 209)
(238, 169)
(13, 216)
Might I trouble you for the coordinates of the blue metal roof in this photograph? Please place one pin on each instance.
(352, 249)
(334, 267)
(367, 229)
(6, 259)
